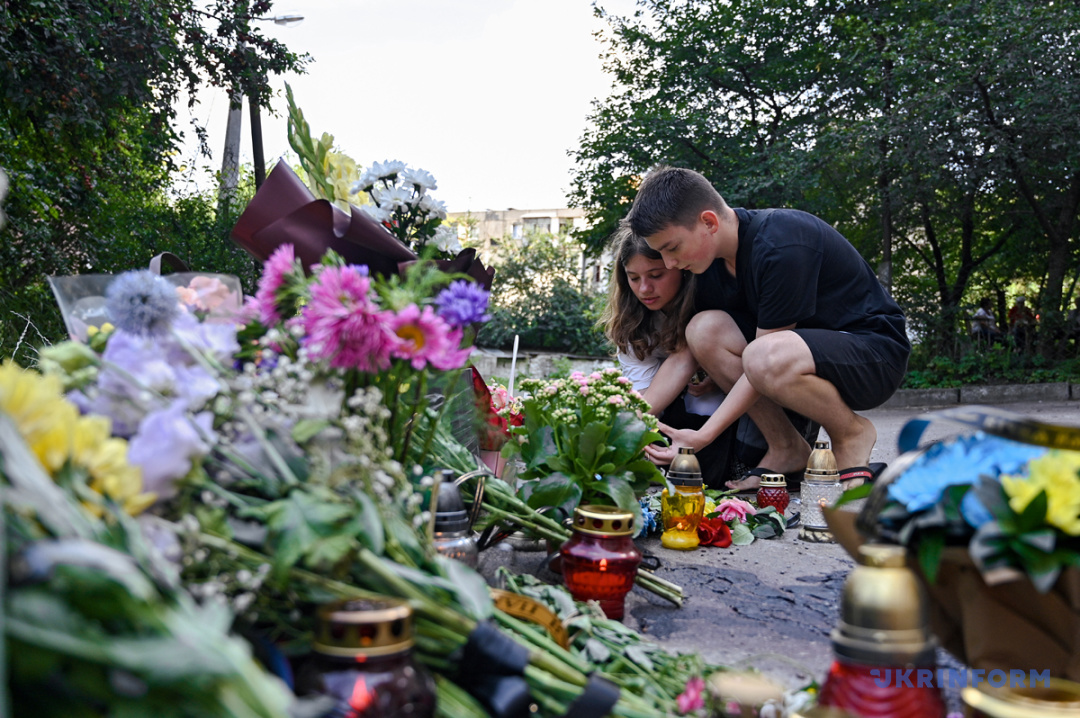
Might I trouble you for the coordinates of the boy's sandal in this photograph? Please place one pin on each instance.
(793, 478)
(866, 473)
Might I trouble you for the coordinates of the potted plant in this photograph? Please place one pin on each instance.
(583, 441)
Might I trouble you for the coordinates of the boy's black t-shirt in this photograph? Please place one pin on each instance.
(799, 270)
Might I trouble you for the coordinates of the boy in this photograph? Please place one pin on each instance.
(829, 340)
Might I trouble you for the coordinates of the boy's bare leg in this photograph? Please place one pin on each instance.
(718, 344)
(781, 367)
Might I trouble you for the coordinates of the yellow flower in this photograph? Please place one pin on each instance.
(105, 461)
(1058, 474)
(40, 411)
(62, 440)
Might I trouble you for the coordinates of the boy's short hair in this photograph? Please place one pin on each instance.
(672, 196)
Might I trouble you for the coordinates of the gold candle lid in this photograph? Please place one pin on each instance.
(603, 521)
(685, 469)
(883, 611)
(1048, 697)
(773, 480)
(822, 461)
(363, 627)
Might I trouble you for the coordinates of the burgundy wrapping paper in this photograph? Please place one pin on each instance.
(284, 211)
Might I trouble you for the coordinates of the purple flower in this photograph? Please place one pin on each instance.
(463, 303)
(142, 303)
(167, 444)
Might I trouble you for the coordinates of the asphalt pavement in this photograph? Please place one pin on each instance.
(769, 606)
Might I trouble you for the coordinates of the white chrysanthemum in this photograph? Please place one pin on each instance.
(376, 212)
(387, 168)
(422, 179)
(433, 206)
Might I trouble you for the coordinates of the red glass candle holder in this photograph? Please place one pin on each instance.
(773, 492)
(362, 658)
(873, 691)
(600, 560)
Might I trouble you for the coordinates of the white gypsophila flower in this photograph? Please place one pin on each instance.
(418, 177)
(433, 206)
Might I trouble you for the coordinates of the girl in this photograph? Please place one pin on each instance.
(647, 312)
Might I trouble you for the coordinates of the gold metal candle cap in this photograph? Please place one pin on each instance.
(883, 611)
(603, 521)
(360, 626)
(822, 462)
(773, 480)
(685, 469)
(1048, 698)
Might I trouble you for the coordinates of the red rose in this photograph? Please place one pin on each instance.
(714, 532)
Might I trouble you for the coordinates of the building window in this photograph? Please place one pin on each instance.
(515, 231)
(537, 224)
(566, 225)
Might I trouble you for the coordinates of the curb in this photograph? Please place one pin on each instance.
(990, 394)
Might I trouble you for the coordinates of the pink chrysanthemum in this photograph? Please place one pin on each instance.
(425, 338)
(343, 324)
(277, 267)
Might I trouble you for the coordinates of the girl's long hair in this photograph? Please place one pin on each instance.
(631, 326)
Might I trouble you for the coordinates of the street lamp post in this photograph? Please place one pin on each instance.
(230, 163)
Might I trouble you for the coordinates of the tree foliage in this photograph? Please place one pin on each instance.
(88, 134)
(538, 295)
(934, 135)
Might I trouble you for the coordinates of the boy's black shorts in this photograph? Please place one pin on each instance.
(862, 367)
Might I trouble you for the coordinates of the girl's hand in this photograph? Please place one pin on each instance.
(663, 455)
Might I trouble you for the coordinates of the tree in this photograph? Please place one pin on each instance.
(723, 88)
(935, 130)
(87, 125)
(537, 295)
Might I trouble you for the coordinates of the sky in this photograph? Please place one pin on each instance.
(487, 95)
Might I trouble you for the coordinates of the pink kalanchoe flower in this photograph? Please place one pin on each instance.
(735, 509)
(425, 338)
(343, 324)
(277, 267)
(693, 698)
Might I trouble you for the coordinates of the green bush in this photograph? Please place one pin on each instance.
(537, 295)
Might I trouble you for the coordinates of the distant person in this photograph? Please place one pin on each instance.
(1022, 323)
(828, 339)
(1072, 323)
(984, 329)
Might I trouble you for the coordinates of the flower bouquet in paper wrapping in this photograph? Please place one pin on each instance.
(402, 224)
(992, 522)
(82, 297)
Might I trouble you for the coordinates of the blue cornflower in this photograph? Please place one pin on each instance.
(141, 302)
(956, 463)
(463, 303)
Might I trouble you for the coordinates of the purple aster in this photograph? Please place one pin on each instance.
(141, 302)
(343, 324)
(463, 303)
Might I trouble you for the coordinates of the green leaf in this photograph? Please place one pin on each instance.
(592, 444)
(1033, 515)
(596, 651)
(931, 544)
(472, 590)
(640, 656)
(554, 490)
(617, 490)
(366, 523)
(307, 428)
(297, 523)
(741, 535)
(859, 492)
(764, 531)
